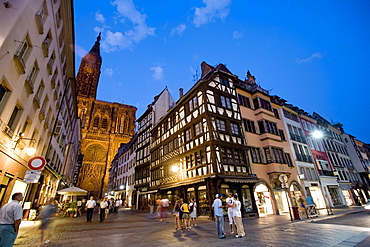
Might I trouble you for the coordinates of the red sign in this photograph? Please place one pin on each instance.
(36, 163)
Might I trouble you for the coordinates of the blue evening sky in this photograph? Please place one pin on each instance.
(315, 54)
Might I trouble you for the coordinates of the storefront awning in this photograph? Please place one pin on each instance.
(182, 183)
(147, 192)
(241, 180)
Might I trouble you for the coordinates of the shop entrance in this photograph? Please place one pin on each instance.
(263, 200)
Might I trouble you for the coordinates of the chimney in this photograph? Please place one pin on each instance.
(181, 92)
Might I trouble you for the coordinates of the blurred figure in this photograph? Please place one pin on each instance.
(10, 219)
(104, 209)
(45, 215)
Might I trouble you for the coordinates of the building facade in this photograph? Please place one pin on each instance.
(155, 111)
(104, 126)
(37, 97)
(199, 148)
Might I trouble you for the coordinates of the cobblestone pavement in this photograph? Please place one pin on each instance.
(138, 228)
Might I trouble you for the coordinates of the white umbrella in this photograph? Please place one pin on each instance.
(72, 191)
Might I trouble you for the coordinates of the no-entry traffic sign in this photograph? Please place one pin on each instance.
(36, 163)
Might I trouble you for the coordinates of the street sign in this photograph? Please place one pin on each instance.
(32, 175)
(31, 181)
(36, 163)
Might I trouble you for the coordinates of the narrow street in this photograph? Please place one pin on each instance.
(138, 228)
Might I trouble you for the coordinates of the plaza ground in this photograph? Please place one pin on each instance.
(140, 228)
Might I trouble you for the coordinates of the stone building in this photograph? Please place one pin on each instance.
(38, 107)
(104, 125)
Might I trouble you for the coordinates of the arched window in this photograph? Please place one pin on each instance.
(96, 122)
(104, 124)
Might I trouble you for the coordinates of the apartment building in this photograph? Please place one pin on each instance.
(37, 97)
(155, 111)
(270, 151)
(199, 148)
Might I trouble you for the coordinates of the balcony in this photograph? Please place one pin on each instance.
(297, 138)
(304, 158)
(326, 173)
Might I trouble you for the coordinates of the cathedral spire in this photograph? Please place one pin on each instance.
(96, 47)
(89, 72)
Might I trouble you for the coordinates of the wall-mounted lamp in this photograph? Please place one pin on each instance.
(30, 150)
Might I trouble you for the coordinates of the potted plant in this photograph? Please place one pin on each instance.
(72, 209)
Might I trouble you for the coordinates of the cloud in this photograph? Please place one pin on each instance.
(115, 41)
(99, 17)
(108, 72)
(157, 72)
(135, 21)
(180, 29)
(237, 35)
(214, 9)
(313, 57)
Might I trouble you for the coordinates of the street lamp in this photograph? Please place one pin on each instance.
(30, 150)
(175, 168)
(317, 134)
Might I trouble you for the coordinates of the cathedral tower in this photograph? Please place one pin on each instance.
(89, 72)
(104, 125)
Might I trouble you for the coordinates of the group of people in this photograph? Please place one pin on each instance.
(105, 207)
(233, 206)
(185, 214)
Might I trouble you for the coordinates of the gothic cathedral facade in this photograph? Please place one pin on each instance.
(104, 126)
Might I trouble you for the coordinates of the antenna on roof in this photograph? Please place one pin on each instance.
(196, 76)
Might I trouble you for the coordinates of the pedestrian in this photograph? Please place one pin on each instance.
(158, 202)
(151, 205)
(217, 208)
(186, 214)
(117, 204)
(176, 211)
(10, 219)
(90, 205)
(193, 212)
(238, 217)
(230, 210)
(181, 213)
(110, 205)
(45, 215)
(104, 209)
(164, 207)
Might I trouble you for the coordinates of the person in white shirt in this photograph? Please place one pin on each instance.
(90, 205)
(229, 202)
(10, 219)
(103, 207)
(238, 217)
(117, 204)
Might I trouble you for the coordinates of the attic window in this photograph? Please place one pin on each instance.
(224, 81)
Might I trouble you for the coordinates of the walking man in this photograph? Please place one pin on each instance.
(10, 219)
(103, 206)
(90, 205)
(217, 207)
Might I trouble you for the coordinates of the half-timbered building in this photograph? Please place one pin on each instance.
(199, 148)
